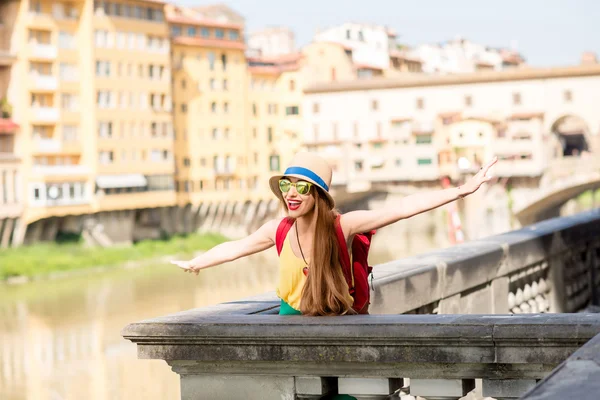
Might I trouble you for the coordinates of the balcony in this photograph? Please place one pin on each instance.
(47, 145)
(44, 82)
(6, 58)
(61, 170)
(224, 171)
(43, 51)
(45, 114)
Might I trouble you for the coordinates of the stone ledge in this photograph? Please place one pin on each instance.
(284, 344)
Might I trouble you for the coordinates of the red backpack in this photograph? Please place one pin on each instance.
(356, 273)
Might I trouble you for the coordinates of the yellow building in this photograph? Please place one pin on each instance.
(90, 88)
(275, 117)
(209, 88)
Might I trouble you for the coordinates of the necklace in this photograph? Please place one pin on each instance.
(299, 246)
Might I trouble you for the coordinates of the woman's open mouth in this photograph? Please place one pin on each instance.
(293, 204)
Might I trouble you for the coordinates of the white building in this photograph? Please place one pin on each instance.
(397, 130)
(272, 42)
(462, 56)
(370, 44)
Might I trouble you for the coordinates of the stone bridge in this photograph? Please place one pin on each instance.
(491, 317)
(563, 179)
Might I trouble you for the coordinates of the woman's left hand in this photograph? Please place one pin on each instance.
(479, 179)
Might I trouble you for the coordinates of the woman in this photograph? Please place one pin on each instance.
(311, 281)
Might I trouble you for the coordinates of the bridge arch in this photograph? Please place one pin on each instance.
(572, 133)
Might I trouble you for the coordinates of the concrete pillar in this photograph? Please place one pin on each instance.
(506, 388)
(369, 388)
(210, 218)
(35, 232)
(186, 218)
(201, 217)
(19, 234)
(195, 217)
(442, 389)
(6, 232)
(218, 221)
(50, 227)
(166, 225)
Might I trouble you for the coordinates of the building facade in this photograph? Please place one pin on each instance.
(209, 87)
(272, 42)
(423, 129)
(463, 56)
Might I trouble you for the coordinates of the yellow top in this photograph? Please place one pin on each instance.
(291, 276)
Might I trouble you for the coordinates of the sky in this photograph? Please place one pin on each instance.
(546, 32)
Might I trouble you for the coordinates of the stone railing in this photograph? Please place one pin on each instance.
(240, 349)
(578, 377)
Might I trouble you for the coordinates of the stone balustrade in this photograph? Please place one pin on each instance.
(242, 350)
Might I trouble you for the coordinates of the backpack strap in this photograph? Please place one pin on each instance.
(344, 256)
(282, 231)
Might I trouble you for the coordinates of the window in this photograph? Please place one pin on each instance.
(66, 40)
(348, 34)
(103, 68)
(358, 165)
(68, 72)
(334, 129)
(254, 110)
(398, 162)
(361, 37)
(315, 108)
(292, 110)
(292, 85)
(175, 30)
(316, 132)
(270, 134)
(191, 31)
(104, 99)
(468, 101)
(213, 107)
(420, 103)
(211, 60)
(204, 32)
(374, 105)
(183, 83)
(355, 130)
(225, 107)
(106, 157)
(219, 33)
(226, 133)
(423, 139)
(234, 35)
(516, 99)
(69, 101)
(215, 133)
(212, 84)
(379, 132)
(224, 61)
(224, 84)
(254, 133)
(424, 161)
(568, 95)
(274, 163)
(183, 108)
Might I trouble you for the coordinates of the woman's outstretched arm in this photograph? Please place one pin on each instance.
(260, 240)
(363, 221)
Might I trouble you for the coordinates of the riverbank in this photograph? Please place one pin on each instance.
(45, 259)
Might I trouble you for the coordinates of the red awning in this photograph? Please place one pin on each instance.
(7, 126)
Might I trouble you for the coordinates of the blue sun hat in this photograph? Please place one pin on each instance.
(309, 167)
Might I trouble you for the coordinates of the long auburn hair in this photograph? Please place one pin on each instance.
(325, 291)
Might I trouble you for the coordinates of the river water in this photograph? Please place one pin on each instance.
(60, 339)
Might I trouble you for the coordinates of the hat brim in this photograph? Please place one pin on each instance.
(274, 185)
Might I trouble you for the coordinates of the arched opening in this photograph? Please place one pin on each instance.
(571, 132)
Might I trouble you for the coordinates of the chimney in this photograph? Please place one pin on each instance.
(589, 58)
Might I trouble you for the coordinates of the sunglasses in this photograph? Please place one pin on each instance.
(302, 187)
